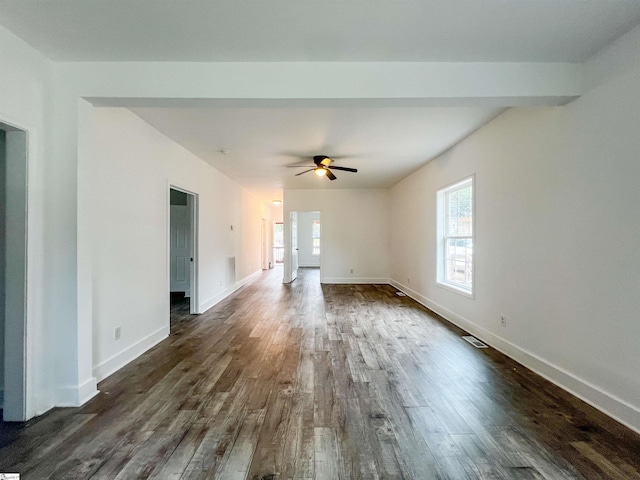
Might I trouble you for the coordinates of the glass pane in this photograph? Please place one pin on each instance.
(459, 211)
(459, 262)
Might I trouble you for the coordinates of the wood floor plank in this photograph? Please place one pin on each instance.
(268, 459)
(235, 463)
(308, 381)
(327, 457)
(299, 460)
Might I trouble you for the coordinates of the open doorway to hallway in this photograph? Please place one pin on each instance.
(309, 229)
(278, 243)
(304, 246)
(182, 253)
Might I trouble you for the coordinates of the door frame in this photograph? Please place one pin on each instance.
(288, 275)
(193, 208)
(17, 381)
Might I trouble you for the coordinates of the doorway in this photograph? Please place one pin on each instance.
(309, 229)
(278, 243)
(13, 273)
(183, 249)
(303, 243)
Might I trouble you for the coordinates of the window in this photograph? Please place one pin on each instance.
(278, 242)
(455, 236)
(315, 235)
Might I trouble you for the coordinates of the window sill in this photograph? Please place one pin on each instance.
(456, 289)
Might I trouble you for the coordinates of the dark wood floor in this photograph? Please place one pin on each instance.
(334, 382)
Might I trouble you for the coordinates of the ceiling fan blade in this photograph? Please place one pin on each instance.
(322, 159)
(331, 175)
(299, 166)
(310, 170)
(346, 169)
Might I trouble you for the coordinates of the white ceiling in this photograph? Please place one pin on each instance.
(384, 143)
(319, 30)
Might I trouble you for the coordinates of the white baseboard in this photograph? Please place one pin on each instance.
(611, 405)
(356, 280)
(120, 359)
(228, 291)
(87, 390)
(76, 395)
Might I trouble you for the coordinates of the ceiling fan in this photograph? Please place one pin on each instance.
(323, 167)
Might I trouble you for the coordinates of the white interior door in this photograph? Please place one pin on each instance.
(294, 245)
(180, 249)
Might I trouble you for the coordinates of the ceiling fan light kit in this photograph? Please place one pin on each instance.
(323, 167)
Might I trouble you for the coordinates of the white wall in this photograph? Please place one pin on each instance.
(305, 239)
(355, 232)
(557, 230)
(276, 213)
(131, 170)
(24, 93)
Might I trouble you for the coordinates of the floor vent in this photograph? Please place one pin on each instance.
(474, 341)
(401, 294)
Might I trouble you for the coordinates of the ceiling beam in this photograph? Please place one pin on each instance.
(322, 84)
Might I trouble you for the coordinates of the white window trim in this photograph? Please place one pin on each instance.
(441, 238)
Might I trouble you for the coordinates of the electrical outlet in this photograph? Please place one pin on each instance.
(116, 334)
(351, 271)
(503, 320)
(408, 281)
(220, 282)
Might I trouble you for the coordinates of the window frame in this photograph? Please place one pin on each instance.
(443, 236)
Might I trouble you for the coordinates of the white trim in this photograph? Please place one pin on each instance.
(122, 358)
(76, 395)
(455, 288)
(609, 404)
(193, 201)
(357, 280)
(228, 291)
(87, 390)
